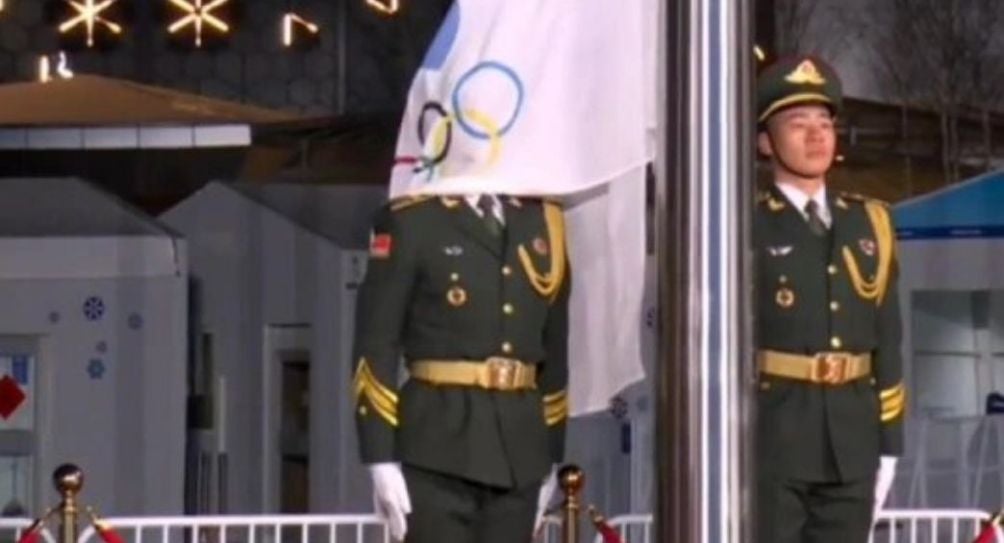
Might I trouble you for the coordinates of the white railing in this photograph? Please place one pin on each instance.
(12, 528)
(927, 526)
(246, 529)
(631, 528)
(892, 526)
(260, 529)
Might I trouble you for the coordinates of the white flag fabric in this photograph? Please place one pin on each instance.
(550, 98)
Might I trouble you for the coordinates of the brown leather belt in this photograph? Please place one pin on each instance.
(495, 373)
(828, 368)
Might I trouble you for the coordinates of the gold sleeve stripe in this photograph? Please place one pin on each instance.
(892, 402)
(897, 390)
(383, 400)
(560, 396)
(365, 375)
(892, 398)
(893, 405)
(892, 414)
(555, 407)
(553, 418)
(893, 408)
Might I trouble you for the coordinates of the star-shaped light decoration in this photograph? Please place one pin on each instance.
(89, 16)
(199, 15)
(389, 7)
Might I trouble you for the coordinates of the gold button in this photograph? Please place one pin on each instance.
(834, 306)
(362, 410)
(506, 347)
(836, 343)
(506, 270)
(783, 279)
(873, 381)
(508, 309)
(832, 269)
(764, 385)
(454, 277)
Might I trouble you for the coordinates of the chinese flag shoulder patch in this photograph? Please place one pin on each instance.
(380, 245)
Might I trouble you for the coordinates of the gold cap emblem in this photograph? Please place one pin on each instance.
(806, 74)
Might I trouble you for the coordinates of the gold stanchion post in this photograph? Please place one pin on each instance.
(571, 478)
(68, 479)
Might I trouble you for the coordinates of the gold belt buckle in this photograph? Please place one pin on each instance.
(831, 368)
(502, 372)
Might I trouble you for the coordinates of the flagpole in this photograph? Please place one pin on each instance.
(702, 230)
(677, 433)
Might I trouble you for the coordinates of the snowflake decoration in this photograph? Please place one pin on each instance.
(94, 308)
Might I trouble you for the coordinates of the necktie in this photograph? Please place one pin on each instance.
(487, 206)
(816, 223)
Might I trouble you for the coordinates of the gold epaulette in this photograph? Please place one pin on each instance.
(449, 202)
(862, 198)
(404, 202)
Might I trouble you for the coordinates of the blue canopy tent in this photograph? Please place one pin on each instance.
(971, 209)
(951, 256)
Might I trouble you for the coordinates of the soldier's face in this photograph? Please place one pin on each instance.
(803, 137)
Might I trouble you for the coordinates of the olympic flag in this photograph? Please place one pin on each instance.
(550, 98)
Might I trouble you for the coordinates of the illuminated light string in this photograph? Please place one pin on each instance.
(292, 20)
(390, 7)
(88, 15)
(62, 68)
(199, 16)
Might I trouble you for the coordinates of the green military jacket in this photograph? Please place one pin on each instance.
(440, 286)
(817, 294)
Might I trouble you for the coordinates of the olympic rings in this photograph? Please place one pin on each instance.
(494, 137)
(461, 112)
(442, 133)
(437, 141)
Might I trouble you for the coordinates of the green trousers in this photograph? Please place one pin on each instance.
(800, 512)
(447, 509)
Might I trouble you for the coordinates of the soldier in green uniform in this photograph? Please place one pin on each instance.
(472, 294)
(830, 399)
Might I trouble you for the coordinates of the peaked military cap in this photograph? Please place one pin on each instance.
(796, 80)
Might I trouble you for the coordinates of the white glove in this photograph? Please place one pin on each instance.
(544, 498)
(390, 497)
(883, 481)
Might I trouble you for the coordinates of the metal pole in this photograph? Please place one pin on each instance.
(69, 480)
(571, 478)
(702, 216)
(677, 423)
